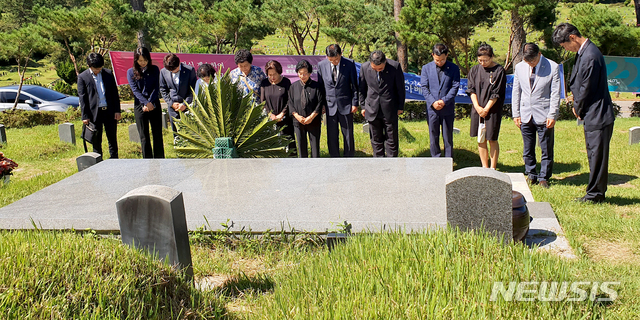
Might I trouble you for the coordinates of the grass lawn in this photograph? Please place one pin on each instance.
(436, 275)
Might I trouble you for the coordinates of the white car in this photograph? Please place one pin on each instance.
(36, 98)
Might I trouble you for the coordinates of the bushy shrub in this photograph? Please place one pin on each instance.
(63, 87)
(463, 111)
(128, 116)
(635, 109)
(125, 93)
(28, 119)
(67, 72)
(414, 110)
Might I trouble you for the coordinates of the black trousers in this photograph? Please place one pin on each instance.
(314, 139)
(144, 121)
(384, 137)
(288, 131)
(446, 123)
(598, 154)
(333, 140)
(173, 115)
(106, 119)
(530, 132)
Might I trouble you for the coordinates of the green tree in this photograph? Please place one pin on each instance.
(526, 16)
(20, 44)
(424, 22)
(222, 111)
(16, 13)
(605, 28)
(297, 19)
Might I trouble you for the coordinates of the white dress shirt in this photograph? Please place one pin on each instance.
(100, 88)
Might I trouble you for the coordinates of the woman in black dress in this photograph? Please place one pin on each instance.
(305, 104)
(274, 92)
(487, 84)
(144, 80)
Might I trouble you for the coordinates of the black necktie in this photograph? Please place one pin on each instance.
(334, 73)
(303, 98)
(378, 75)
(532, 77)
(439, 70)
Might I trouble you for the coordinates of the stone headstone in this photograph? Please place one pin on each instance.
(456, 131)
(580, 122)
(87, 160)
(134, 136)
(3, 134)
(480, 197)
(67, 132)
(152, 217)
(365, 128)
(165, 120)
(634, 135)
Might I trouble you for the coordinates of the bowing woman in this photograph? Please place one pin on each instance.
(486, 86)
(305, 104)
(274, 92)
(144, 82)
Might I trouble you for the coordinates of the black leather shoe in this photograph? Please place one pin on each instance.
(544, 184)
(531, 181)
(589, 200)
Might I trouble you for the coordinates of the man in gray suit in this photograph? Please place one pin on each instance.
(591, 103)
(177, 81)
(535, 104)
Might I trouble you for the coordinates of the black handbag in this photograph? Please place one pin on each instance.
(88, 134)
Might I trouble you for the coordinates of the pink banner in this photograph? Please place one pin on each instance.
(122, 61)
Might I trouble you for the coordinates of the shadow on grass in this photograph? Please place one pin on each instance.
(620, 201)
(238, 285)
(582, 179)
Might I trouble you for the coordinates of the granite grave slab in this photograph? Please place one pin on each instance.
(634, 135)
(87, 160)
(257, 194)
(134, 136)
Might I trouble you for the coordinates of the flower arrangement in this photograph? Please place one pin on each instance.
(6, 166)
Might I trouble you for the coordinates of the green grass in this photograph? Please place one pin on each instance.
(385, 276)
(44, 67)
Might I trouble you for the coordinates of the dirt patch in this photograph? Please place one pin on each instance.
(511, 151)
(211, 282)
(613, 252)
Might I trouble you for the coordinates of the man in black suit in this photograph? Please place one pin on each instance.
(591, 103)
(382, 95)
(100, 102)
(440, 80)
(177, 81)
(339, 78)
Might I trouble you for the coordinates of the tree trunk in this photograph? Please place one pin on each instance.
(401, 47)
(24, 70)
(518, 40)
(138, 5)
(637, 5)
(71, 56)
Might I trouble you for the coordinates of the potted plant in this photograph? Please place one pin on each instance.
(6, 166)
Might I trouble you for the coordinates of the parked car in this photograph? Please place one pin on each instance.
(36, 98)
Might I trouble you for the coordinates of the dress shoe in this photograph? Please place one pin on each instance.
(544, 184)
(531, 181)
(589, 200)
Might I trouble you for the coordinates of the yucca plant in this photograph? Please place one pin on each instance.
(221, 110)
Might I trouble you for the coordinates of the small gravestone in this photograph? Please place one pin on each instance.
(165, 120)
(580, 122)
(134, 136)
(153, 218)
(480, 197)
(87, 160)
(456, 131)
(365, 128)
(67, 132)
(634, 135)
(3, 134)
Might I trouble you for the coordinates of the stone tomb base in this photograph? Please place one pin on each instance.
(257, 194)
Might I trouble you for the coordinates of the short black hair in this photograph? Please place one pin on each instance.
(95, 60)
(485, 50)
(302, 64)
(171, 61)
(377, 57)
(530, 51)
(273, 64)
(333, 50)
(563, 31)
(243, 55)
(206, 70)
(440, 49)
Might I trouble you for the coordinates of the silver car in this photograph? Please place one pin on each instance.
(36, 98)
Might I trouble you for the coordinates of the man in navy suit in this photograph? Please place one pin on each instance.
(591, 103)
(177, 81)
(339, 79)
(100, 102)
(382, 95)
(440, 80)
